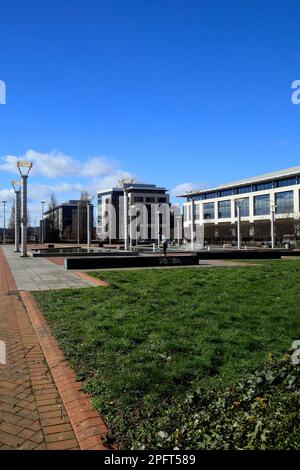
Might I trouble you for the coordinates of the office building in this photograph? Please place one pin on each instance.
(257, 198)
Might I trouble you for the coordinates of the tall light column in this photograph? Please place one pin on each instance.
(4, 204)
(88, 221)
(17, 189)
(125, 182)
(238, 210)
(192, 222)
(42, 225)
(24, 169)
(132, 208)
(158, 228)
(272, 208)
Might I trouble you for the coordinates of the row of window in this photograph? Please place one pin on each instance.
(249, 188)
(284, 204)
(150, 199)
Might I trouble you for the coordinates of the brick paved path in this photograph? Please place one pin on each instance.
(32, 415)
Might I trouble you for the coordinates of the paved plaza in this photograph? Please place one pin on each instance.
(33, 274)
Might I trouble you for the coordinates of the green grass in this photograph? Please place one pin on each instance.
(154, 335)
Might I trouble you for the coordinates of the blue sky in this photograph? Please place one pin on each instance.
(174, 92)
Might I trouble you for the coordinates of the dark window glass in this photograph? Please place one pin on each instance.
(284, 202)
(286, 182)
(263, 186)
(226, 192)
(224, 209)
(150, 199)
(262, 205)
(197, 211)
(138, 199)
(210, 195)
(244, 189)
(209, 210)
(244, 207)
(162, 199)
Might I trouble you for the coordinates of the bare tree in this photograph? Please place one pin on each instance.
(53, 201)
(85, 196)
(11, 223)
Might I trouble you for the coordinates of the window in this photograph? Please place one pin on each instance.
(284, 202)
(263, 186)
(150, 199)
(244, 207)
(162, 199)
(209, 210)
(210, 195)
(224, 211)
(226, 192)
(286, 182)
(244, 189)
(139, 199)
(262, 205)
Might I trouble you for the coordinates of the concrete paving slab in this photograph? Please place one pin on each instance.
(33, 274)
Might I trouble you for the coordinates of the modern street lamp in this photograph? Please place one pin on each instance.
(43, 228)
(24, 168)
(239, 205)
(124, 183)
(78, 225)
(88, 221)
(131, 208)
(192, 223)
(158, 228)
(17, 189)
(4, 204)
(272, 209)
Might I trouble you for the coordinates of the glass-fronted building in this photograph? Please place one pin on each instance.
(257, 198)
(144, 201)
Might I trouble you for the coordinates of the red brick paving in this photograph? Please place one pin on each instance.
(97, 282)
(25, 377)
(86, 422)
(41, 406)
(56, 260)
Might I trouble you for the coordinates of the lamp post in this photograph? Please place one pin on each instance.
(272, 209)
(132, 208)
(88, 221)
(158, 228)
(24, 168)
(192, 223)
(17, 189)
(239, 205)
(238, 213)
(43, 228)
(4, 204)
(124, 183)
(78, 225)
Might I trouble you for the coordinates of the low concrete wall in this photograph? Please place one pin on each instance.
(240, 254)
(129, 262)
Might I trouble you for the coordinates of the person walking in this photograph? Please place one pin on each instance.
(165, 246)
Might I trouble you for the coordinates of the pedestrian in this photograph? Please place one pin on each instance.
(165, 246)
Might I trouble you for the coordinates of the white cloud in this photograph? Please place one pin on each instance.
(56, 164)
(6, 195)
(186, 187)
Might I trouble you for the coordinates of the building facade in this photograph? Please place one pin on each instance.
(67, 222)
(257, 197)
(140, 197)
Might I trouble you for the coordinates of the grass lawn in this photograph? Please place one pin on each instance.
(152, 336)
